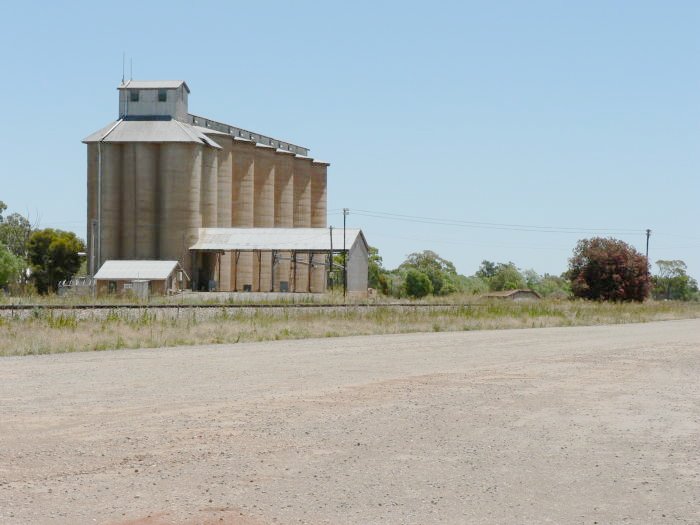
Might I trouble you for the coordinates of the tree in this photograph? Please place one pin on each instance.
(441, 272)
(487, 269)
(547, 285)
(14, 233)
(53, 256)
(377, 273)
(473, 285)
(673, 282)
(608, 270)
(507, 277)
(11, 266)
(501, 276)
(417, 284)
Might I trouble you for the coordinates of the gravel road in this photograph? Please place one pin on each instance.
(556, 425)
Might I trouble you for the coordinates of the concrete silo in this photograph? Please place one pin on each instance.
(284, 214)
(318, 183)
(180, 216)
(109, 207)
(158, 174)
(242, 199)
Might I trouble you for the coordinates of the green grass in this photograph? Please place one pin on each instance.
(39, 331)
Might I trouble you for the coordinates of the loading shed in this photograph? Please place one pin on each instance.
(300, 259)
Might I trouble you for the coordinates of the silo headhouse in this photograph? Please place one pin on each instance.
(161, 178)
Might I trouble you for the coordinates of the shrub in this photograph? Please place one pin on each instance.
(608, 270)
(417, 284)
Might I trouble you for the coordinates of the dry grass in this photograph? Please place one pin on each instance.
(51, 331)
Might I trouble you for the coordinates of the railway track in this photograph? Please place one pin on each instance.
(19, 307)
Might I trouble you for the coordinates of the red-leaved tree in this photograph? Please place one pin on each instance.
(608, 270)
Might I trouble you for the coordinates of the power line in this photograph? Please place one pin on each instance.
(492, 225)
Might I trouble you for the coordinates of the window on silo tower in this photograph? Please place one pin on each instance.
(162, 95)
(134, 93)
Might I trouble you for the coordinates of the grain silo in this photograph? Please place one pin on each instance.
(159, 175)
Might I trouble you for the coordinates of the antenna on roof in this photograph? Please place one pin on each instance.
(123, 59)
(131, 67)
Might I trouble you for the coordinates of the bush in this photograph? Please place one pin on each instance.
(608, 270)
(417, 284)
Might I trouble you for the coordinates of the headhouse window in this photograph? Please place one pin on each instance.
(162, 95)
(134, 93)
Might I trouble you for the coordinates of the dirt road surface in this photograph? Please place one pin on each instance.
(562, 425)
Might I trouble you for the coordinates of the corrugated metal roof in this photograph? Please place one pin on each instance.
(129, 270)
(285, 239)
(150, 131)
(153, 84)
(508, 293)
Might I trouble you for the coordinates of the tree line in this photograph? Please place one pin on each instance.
(599, 269)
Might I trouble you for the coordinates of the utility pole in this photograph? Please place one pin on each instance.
(648, 235)
(345, 257)
(330, 271)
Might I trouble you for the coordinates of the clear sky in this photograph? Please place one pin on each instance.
(572, 119)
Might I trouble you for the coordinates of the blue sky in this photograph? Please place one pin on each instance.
(579, 118)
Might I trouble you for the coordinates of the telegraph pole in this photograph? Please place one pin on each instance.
(648, 235)
(345, 256)
(330, 271)
(648, 268)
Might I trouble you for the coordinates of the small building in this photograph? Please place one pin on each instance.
(141, 278)
(514, 295)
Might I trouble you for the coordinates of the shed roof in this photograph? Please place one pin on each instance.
(153, 84)
(267, 239)
(509, 293)
(127, 270)
(150, 130)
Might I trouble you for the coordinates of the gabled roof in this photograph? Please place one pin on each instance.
(133, 270)
(284, 239)
(508, 293)
(153, 84)
(150, 130)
